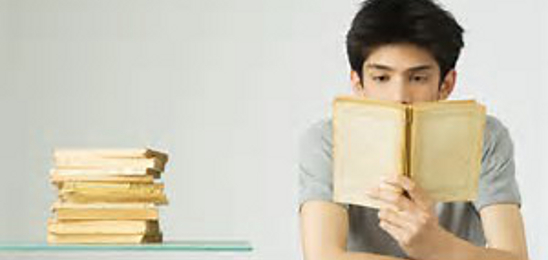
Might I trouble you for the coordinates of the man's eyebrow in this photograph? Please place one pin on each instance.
(419, 68)
(388, 68)
(378, 66)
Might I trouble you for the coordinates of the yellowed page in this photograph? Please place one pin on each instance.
(119, 187)
(368, 139)
(67, 153)
(109, 164)
(102, 226)
(58, 179)
(106, 171)
(112, 195)
(106, 213)
(103, 239)
(446, 148)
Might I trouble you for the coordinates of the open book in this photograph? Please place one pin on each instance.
(436, 144)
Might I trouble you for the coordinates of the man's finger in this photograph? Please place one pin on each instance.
(397, 218)
(416, 193)
(393, 199)
(397, 233)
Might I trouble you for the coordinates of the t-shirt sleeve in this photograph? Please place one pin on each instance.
(497, 183)
(315, 164)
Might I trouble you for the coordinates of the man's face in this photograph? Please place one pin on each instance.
(402, 73)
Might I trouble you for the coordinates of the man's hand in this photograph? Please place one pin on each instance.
(411, 220)
(407, 214)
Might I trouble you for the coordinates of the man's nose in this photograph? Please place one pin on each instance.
(402, 93)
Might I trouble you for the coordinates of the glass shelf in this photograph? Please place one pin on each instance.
(192, 246)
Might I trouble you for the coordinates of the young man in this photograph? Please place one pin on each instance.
(406, 51)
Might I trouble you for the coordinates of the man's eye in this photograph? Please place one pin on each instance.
(419, 78)
(383, 78)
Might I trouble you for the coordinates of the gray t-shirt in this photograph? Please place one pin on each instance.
(497, 184)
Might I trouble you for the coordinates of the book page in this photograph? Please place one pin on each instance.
(446, 149)
(368, 139)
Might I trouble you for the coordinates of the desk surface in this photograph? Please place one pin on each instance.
(195, 246)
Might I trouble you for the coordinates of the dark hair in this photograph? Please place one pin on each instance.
(419, 22)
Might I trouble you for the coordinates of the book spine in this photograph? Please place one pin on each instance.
(408, 125)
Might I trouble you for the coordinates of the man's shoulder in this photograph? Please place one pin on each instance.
(495, 130)
(320, 129)
(321, 125)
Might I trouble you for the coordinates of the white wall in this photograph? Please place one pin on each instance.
(226, 87)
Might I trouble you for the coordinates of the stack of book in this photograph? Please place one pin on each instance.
(107, 196)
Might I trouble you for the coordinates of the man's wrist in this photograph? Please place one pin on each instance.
(447, 245)
(443, 246)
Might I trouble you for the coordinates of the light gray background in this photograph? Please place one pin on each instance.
(226, 87)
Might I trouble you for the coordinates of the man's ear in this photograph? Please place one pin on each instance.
(447, 85)
(357, 86)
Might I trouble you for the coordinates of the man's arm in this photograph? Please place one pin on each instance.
(503, 228)
(412, 222)
(324, 230)
(505, 234)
